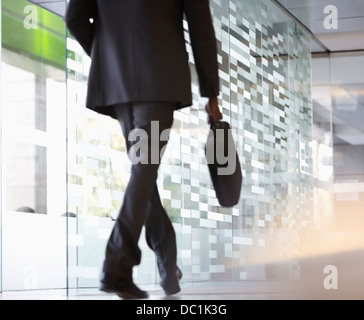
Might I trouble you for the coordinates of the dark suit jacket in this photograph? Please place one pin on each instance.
(138, 50)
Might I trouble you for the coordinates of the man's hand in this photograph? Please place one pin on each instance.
(213, 111)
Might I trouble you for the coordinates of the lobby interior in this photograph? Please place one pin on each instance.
(313, 251)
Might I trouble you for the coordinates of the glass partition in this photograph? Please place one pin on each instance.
(1, 166)
(65, 168)
(265, 72)
(33, 161)
(340, 93)
(323, 145)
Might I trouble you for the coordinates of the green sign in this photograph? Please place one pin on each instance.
(36, 32)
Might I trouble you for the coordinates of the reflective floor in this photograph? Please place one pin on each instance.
(331, 275)
(246, 290)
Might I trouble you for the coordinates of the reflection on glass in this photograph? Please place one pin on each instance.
(265, 64)
(347, 83)
(338, 90)
(33, 97)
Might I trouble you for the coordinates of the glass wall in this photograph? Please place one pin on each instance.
(65, 168)
(337, 95)
(265, 72)
(338, 84)
(33, 162)
(1, 165)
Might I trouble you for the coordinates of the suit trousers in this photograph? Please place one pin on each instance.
(142, 205)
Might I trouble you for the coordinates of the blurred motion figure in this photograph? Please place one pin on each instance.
(140, 74)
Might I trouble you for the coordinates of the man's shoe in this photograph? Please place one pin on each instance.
(124, 289)
(179, 274)
(172, 287)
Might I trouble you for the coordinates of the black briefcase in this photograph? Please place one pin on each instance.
(223, 163)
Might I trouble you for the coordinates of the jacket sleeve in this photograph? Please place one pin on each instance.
(77, 19)
(204, 45)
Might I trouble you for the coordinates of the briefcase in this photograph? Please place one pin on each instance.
(223, 163)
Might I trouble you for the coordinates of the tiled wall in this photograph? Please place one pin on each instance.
(265, 71)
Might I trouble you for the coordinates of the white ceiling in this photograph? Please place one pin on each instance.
(349, 34)
(56, 6)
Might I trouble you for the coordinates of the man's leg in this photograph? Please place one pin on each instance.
(122, 252)
(161, 238)
(160, 233)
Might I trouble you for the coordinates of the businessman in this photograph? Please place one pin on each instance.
(140, 75)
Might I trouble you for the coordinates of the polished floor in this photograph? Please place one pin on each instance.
(218, 291)
(330, 275)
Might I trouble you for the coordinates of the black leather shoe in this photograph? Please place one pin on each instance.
(172, 287)
(179, 274)
(124, 289)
